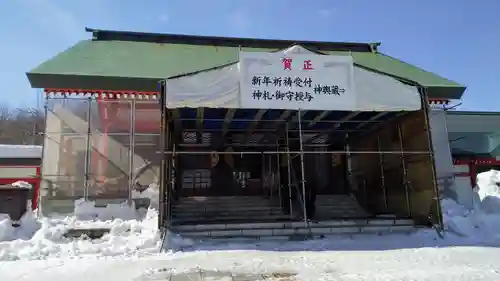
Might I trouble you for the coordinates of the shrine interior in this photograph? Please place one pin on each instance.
(244, 152)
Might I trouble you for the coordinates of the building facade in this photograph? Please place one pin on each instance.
(107, 126)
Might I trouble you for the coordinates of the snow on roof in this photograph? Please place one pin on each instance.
(20, 151)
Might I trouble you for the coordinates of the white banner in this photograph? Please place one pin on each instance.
(296, 80)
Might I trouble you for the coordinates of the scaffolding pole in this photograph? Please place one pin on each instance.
(425, 102)
(43, 185)
(405, 172)
(87, 152)
(262, 172)
(270, 179)
(382, 178)
(289, 171)
(169, 175)
(175, 170)
(163, 184)
(294, 152)
(278, 176)
(303, 181)
(281, 121)
(131, 152)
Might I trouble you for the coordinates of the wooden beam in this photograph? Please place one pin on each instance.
(199, 124)
(345, 119)
(227, 120)
(254, 124)
(199, 118)
(373, 118)
(337, 125)
(318, 118)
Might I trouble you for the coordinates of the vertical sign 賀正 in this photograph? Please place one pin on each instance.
(294, 81)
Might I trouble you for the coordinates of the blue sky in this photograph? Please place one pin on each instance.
(458, 39)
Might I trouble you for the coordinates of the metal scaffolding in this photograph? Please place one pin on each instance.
(97, 148)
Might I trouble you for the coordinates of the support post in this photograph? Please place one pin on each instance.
(131, 152)
(278, 177)
(262, 172)
(175, 172)
(425, 106)
(289, 171)
(43, 184)
(303, 181)
(405, 171)
(270, 176)
(382, 178)
(88, 151)
(164, 166)
(168, 159)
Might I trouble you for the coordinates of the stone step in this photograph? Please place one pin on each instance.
(223, 212)
(294, 224)
(258, 230)
(221, 199)
(207, 219)
(229, 220)
(201, 207)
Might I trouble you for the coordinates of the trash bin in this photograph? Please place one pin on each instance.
(14, 201)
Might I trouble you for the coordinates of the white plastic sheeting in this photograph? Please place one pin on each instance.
(377, 92)
(211, 88)
(441, 144)
(221, 88)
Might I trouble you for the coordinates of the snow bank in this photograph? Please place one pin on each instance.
(152, 193)
(482, 222)
(87, 210)
(21, 184)
(134, 232)
(44, 237)
(488, 191)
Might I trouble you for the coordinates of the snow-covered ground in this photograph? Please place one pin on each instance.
(131, 251)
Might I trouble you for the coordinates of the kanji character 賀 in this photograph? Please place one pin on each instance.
(287, 63)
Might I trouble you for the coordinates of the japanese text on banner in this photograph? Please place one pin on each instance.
(292, 87)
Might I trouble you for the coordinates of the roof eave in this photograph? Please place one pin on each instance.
(107, 35)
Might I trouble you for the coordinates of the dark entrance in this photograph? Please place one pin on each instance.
(379, 162)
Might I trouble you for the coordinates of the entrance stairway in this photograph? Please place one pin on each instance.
(338, 206)
(255, 218)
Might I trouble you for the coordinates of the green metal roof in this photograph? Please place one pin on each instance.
(138, 64)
